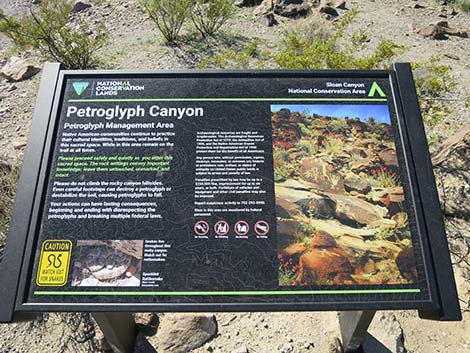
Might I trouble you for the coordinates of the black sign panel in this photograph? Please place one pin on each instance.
(228, 190)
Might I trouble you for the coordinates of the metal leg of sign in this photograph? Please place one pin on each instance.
(354, 325)
(119, 330)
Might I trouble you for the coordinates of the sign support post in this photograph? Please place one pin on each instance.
(119, 330)
(354, 325)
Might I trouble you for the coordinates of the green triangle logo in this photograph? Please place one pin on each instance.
(376, 89)
(80, 87)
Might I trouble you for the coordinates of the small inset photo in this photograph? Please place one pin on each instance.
(113, 263)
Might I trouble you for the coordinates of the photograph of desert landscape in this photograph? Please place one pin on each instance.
(340, 209)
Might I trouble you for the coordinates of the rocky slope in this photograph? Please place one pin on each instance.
(340, 202)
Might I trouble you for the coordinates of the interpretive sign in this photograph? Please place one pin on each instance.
(253, 190)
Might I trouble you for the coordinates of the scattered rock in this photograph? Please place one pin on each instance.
(180, 333)
(338, 229)
(451, 56)
(242, 3)
(241, 349)
(291, 8)
(325, 262)
(418, 6)
(452, 168)
(389, 157)
(19, 144)
(80, 6)
(328, 10)
(440, 31)
(146, 323)
(341, 4)
(268, 19)
(18, 69)
(356, 184)
(286, 209)
(351, 210)
(295, 249)
(406, 264)
(385, 329)
(335, 346)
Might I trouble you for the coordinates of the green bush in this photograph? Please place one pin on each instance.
(239, 59)
(208, 16)
(48, 30)
(433, 81)
(464, 5)
(300, 52)
(168, 15)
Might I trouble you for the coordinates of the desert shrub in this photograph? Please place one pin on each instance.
(386, 234)
(386, 178)
(168, 15)
(433, 82)
(8, 178)
(208, 16)
(300, 52)
(334, 145)
(239, 59)
(464, 5)
(48, 30)
(338, 126)
(307, 148)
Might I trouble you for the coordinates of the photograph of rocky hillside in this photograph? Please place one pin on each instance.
(341, 218)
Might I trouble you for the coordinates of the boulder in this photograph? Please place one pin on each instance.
(337, 229)
(389, 157)
(80, 6)
(323, 240)
(18, 69)
(291, 8)
(328, 10)
(362, 165)
(320, 266)
(286, 209)
(290, 194)
(406, 264)
(242, 3)
(295, 249)
(289, 230)
(318, 207)
(294, 184)
(353, 211)
(268, 19)
(286, 127)
(322, 173)
(146, 323)
(341, 4)
(357, 184)
(181, 333)
(441, 30)
(385, 335)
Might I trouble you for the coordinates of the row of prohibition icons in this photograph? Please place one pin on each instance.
(222, 228)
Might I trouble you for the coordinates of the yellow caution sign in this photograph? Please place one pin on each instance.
(54, 263)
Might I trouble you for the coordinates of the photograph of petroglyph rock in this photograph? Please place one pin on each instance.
(341, 217)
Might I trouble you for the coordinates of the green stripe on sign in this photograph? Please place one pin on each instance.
(300, 292)
(225, 100)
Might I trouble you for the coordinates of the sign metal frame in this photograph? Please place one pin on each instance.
(16, 267)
